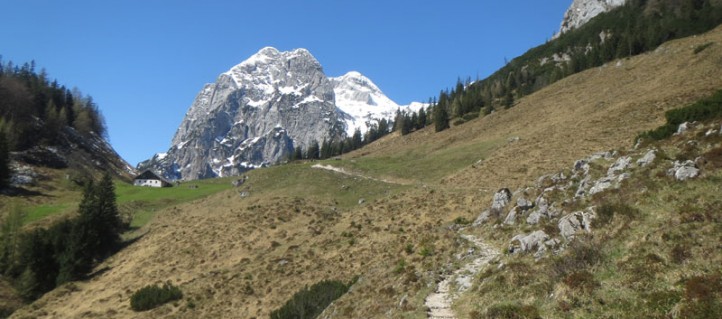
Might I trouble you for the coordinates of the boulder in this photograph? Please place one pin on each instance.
(601, 185)
(530, 242)
(501, 199)
(682, 128)
(542, 209)
(647, 159)
(511, 217)
(524, 204)
(482, 218)
(620, 165)
(683, 170)
(571, 224)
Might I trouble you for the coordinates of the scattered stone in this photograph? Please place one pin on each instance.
(620, 165)
(523, 204)
(501, 199)
(683, 171)
(647, 159)
(710, 132)
(570, 224)
(244, 194)
(602, 184)
(513, 139)
(682, 128)
(582, 189)
(511, 217)
(581, 165)
(483, 218)
(530, 242)
(361, 201)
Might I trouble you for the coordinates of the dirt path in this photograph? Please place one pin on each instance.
(345, 172)
(439, 302)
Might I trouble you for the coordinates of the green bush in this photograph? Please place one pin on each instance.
(701, 47)
(705, 109)
(152, 296)
(309, 302)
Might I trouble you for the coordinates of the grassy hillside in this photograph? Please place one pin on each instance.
(392, 217)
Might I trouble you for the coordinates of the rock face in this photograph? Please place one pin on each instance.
(581, 11)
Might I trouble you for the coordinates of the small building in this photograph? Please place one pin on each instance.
(150, 179)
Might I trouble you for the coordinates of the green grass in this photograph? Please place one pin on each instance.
(421, 163)
(143, 202)
(39, 212)
(301, 180)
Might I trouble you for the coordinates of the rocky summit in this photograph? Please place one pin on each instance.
(256, 113)
(581, 11)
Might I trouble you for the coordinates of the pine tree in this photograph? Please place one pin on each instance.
(356, 140)
(441, 118)
(421, 123)
(313, 150)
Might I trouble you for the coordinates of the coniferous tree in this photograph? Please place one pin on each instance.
(441, 118)
(313, 150)
(298, 153)
(421, 122)
(356, 139)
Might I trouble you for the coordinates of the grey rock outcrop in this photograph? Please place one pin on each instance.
(511, 217)
(253, 115)
(533, 242)
(573, 223)
(581, 11)
(501, 199)
(683, 171)
(647, 159)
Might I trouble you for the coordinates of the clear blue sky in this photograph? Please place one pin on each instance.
(143, 62)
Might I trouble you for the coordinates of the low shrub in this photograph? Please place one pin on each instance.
(582, 281)
(702, 47)
(581, 254)
(152, 296)
(705, 109)
(512, 311)
(606, 212)
(702, 295)
(309, 302)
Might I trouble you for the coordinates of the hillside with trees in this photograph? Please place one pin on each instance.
(637, 27)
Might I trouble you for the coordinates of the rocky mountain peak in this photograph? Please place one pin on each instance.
(257, 112)
(581, 11)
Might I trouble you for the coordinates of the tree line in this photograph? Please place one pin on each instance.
(39, 260)
(34, 109)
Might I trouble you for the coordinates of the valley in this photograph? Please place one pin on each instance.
(401, 229)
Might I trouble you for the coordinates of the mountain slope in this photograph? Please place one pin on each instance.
(237, 256)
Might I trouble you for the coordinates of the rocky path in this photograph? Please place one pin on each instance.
(439, 302)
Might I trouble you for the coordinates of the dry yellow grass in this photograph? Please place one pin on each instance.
(242, 258)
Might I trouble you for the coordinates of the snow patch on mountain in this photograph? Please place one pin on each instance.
(362, 103)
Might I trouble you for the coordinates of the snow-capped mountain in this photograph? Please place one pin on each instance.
(581, 11)
(362, 103)
(257, 112)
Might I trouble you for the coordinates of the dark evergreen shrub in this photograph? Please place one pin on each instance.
(309, 302)
(152, 296)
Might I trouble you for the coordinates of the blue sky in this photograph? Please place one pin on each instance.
(143, 62)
